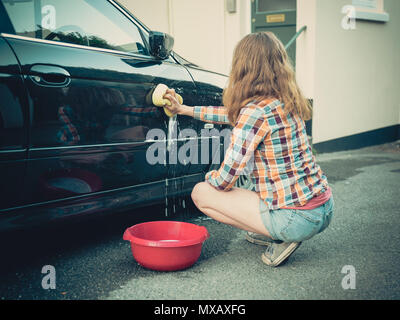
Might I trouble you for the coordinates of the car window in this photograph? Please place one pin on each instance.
(94, 23)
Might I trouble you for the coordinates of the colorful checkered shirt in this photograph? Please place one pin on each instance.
(273, 149)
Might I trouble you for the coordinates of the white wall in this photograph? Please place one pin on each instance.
(356, 73)
(199, 30)
(205, 33)
(305, 46)
(153, 13)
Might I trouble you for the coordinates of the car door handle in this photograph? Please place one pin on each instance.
(208, 126)
(49, 76)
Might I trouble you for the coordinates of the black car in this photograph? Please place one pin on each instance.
(75, 112)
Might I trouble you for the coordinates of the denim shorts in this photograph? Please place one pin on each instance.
(292, 225)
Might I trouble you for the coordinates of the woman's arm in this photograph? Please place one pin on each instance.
(250, 130)
(211, 114)
(217, 115)
(186, 111)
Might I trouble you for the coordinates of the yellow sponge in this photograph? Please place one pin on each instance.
(158, 98)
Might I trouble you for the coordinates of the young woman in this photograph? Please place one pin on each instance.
(292, 201)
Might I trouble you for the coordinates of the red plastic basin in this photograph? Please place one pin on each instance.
(166, 245)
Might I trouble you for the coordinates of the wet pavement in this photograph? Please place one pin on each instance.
(92, 261)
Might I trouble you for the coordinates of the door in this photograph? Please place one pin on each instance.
(89, 76)
(13, 129)
(277, 16)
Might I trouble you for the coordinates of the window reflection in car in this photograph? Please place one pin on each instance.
(94, 23)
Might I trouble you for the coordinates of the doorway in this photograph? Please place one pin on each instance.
(277, 16)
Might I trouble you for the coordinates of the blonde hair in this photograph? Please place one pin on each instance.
(261, 69)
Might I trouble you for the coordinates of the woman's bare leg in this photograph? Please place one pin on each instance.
(237, 207)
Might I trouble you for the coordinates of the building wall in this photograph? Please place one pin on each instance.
(354, 80)
(204, 32)
(305, 47)
(153, 13)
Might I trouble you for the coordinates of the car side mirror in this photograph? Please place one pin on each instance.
(161, 44)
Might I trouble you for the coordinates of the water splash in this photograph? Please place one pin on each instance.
(172, 123)
(166, 197)
(175, 203)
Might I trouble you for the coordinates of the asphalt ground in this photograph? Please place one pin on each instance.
(92, 261)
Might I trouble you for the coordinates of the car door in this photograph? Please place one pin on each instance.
(210, 137)
(89, 77)
(13, 129)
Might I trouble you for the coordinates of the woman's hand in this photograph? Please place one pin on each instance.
(176, 107)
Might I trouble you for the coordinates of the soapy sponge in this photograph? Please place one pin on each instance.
(158, 98)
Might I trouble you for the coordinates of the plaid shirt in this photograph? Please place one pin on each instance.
(273, 148)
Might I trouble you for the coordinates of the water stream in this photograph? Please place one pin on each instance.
(175, 204)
